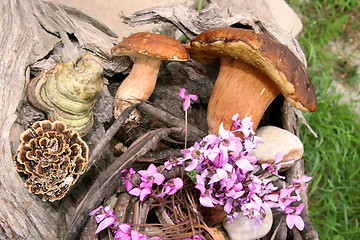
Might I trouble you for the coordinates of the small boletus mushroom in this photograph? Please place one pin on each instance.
(53, 157)
(278, 140)
(148, 49)
(254, 70)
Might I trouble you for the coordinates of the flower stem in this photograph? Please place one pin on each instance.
(185, 128)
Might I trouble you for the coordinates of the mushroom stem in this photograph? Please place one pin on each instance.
(239, 78)
(138, 85)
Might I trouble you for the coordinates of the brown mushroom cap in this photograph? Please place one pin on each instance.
(257, 49)
(149, 49)
(152, 45)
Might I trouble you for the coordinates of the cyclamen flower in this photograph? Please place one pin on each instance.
(194, 154)
(187, 98)
(148, 178)
(171, 187)
(106, 219)
(299, 184)
(126, 233)
(244, 126)
(127, 175)
(206, 198)
(293, 217)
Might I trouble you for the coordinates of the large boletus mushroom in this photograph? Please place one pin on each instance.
(149, 49)
(254, 70)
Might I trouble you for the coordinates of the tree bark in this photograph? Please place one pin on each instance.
(30, 29)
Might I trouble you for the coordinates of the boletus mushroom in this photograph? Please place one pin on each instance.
(149, 49)
(254, 70)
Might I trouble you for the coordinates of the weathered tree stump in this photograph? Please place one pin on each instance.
(35, 35)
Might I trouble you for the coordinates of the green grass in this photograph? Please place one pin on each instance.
(333, 158)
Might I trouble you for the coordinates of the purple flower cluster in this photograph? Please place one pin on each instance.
(105, 217)
(285, 197)
(225, 167)
(224, 170)
(150, 177)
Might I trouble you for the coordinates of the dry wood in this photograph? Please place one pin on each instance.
(220, 13)
(110, 133)
(291, 120)
(170, 120)
(29, 31)
(36, 34)
(109, 180)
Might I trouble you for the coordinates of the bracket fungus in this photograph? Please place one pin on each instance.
(278, 140)
(68, 93)
(149, 49)
(254, 70)
(53, 157)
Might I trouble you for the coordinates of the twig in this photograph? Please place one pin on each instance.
(110, 133)
(194, 134)
(110, 179)
(155, 156)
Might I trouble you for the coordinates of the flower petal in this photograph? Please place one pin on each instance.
(279, 157)
(105, 223)
(125, 227)
(299, 223)
(290, 221)
(128, 185)
(144, 193)
(182, 93)
(159, 178)
(152, 170)
(96, 211)
(206, 202)
(135, 191)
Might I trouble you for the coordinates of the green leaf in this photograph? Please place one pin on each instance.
(192, 175)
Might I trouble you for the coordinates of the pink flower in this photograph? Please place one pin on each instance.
(107, 219)
(206, 198)
(127, 175)
(126, 233)
(303, 179)
(186, 97)
(171, 187)
(148, 177)
(197, 237)
(275, 167)
(245, 162)
(194, 154)
(293, 217)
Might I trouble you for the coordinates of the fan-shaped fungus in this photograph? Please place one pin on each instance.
(68, 93)
(53, 157)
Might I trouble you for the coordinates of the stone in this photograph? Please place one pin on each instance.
(243, 228)
(285, 16)
(278, 140)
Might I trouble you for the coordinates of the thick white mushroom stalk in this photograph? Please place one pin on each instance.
(138, 85)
